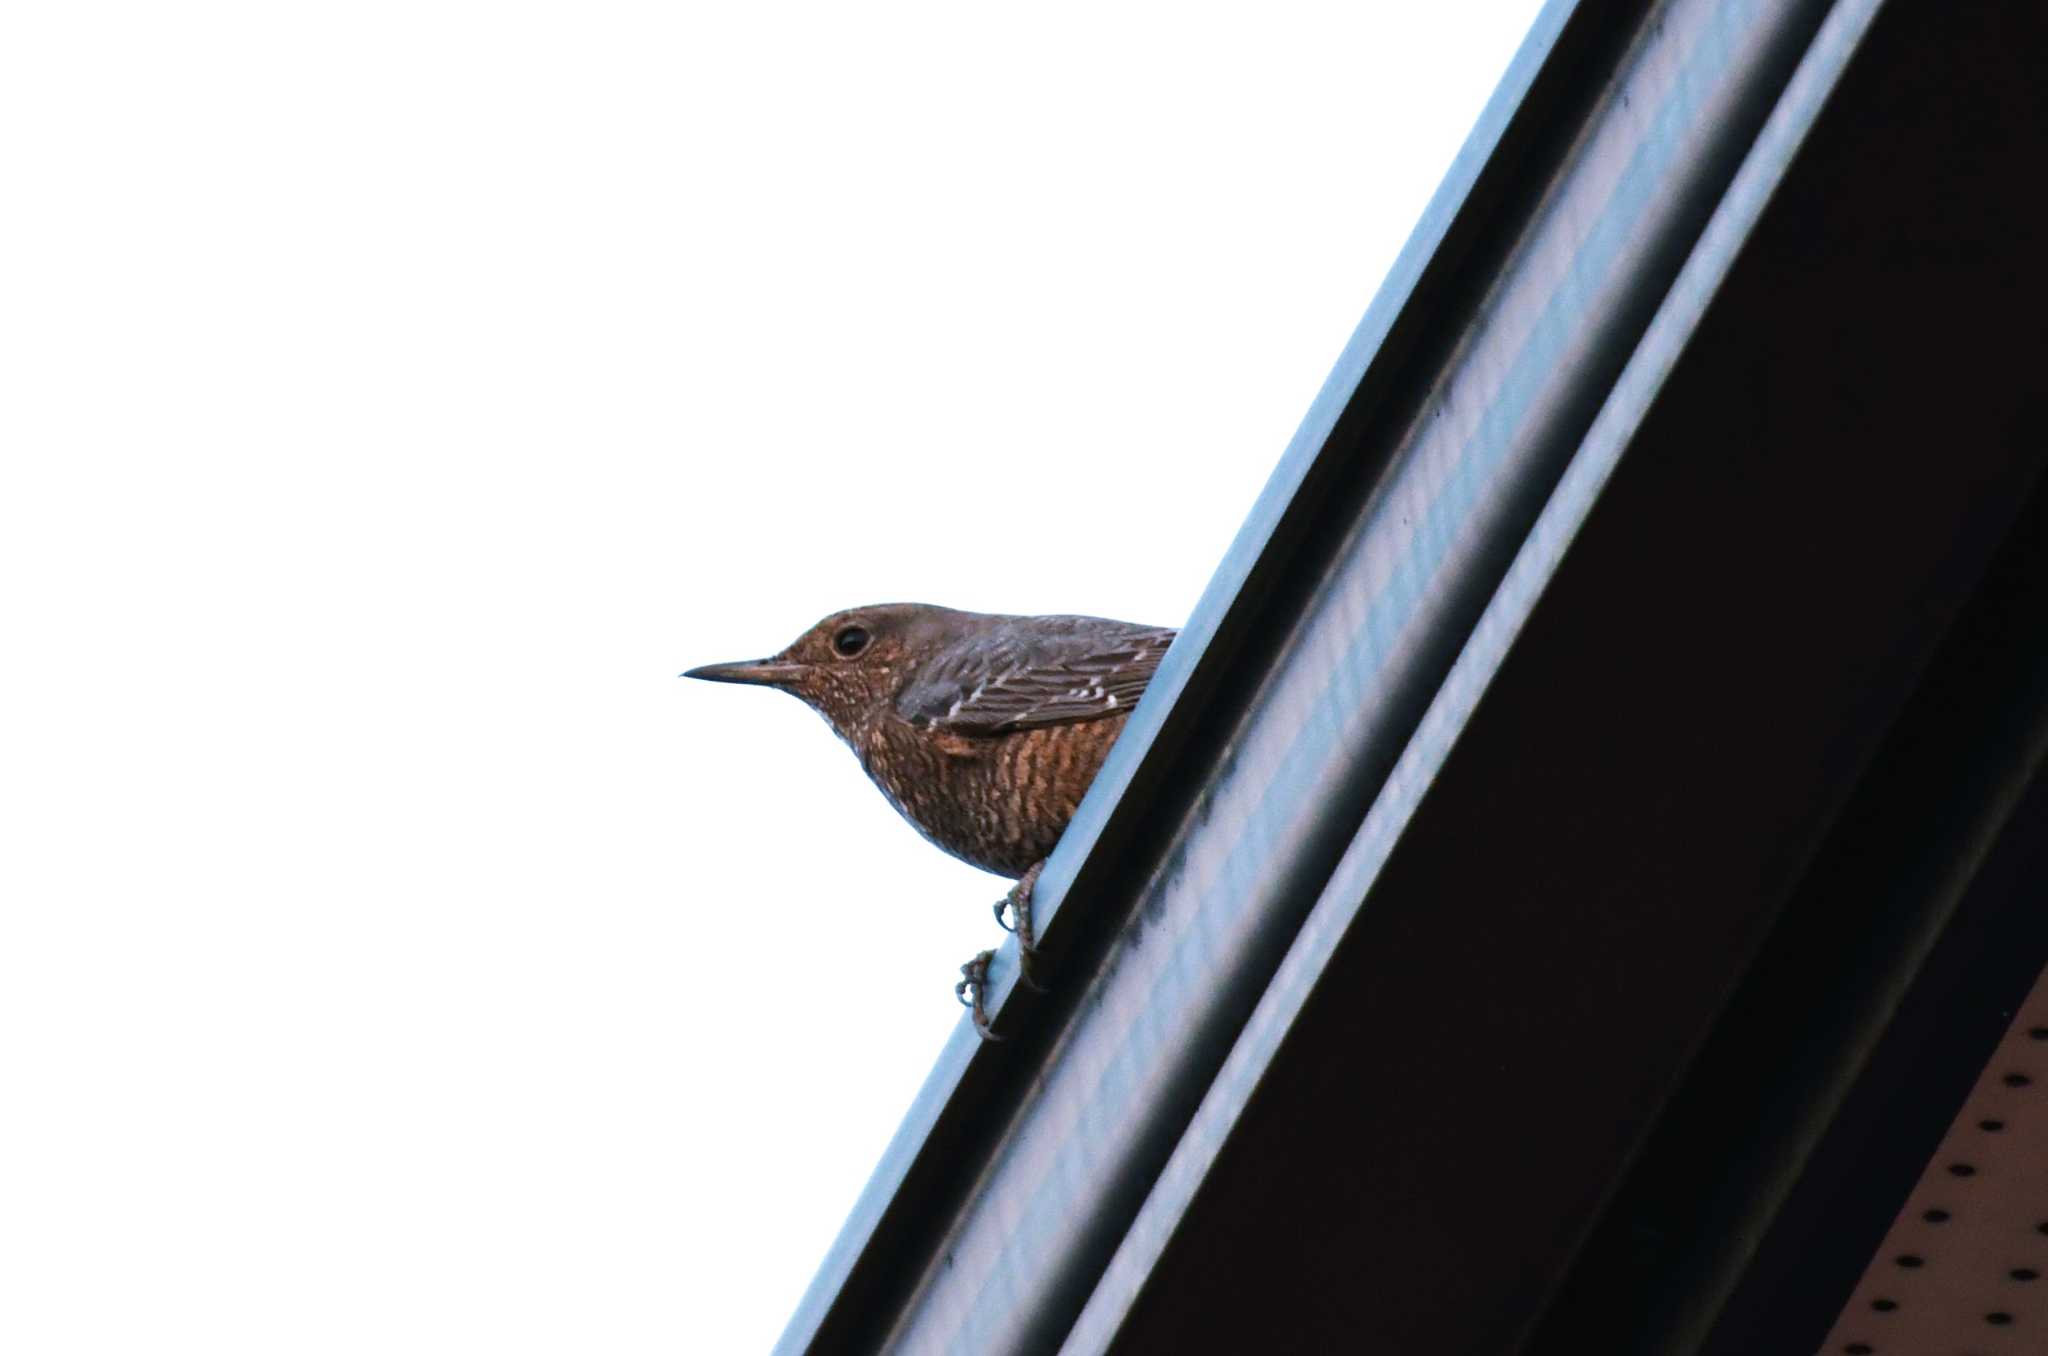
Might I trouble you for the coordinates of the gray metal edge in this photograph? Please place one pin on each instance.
(1389, 605)
(1131, 748)
(1537, 560)
(1307, 444)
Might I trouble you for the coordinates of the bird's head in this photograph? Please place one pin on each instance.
(849, 666)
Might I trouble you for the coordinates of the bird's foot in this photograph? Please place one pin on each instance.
(972, 990)
(1018, 902)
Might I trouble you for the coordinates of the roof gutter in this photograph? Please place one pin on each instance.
(1012, 1211)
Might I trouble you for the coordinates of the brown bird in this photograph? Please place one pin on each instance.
(982, 730)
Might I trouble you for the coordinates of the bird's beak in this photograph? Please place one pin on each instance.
(765, 672)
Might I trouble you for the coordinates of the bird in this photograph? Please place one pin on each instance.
(983, 730)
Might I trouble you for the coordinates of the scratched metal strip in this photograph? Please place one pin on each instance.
(1347, 889)
(1393, 610)
(911, 1142)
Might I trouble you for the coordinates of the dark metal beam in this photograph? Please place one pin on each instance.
(922, 1174)
(1744, 667)
(1309, 670)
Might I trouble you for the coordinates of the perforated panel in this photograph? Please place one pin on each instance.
(1961, 1271)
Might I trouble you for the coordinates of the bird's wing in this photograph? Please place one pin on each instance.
(1056, 671)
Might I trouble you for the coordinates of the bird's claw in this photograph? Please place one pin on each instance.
(1018, 902)
(972, 990)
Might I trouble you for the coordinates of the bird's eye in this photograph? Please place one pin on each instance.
(850, 641)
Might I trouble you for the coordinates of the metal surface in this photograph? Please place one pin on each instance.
(1604, 773)
(1826, 1095)
(1465, 457)
(1348, 887)
(1368, 653)
(1966, 1257)
(901, 1192)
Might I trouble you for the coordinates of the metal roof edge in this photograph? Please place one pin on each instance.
(1391, 522)
(1403, 279)
(1534, 565)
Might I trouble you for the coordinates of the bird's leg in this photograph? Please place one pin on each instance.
(1018, 901)
(972, 989)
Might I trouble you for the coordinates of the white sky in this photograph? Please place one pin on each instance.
(394, 955)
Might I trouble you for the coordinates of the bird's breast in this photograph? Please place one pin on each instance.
(997, 801)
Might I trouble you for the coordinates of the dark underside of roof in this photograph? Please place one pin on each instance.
(1732, 870)
(1759, 785)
